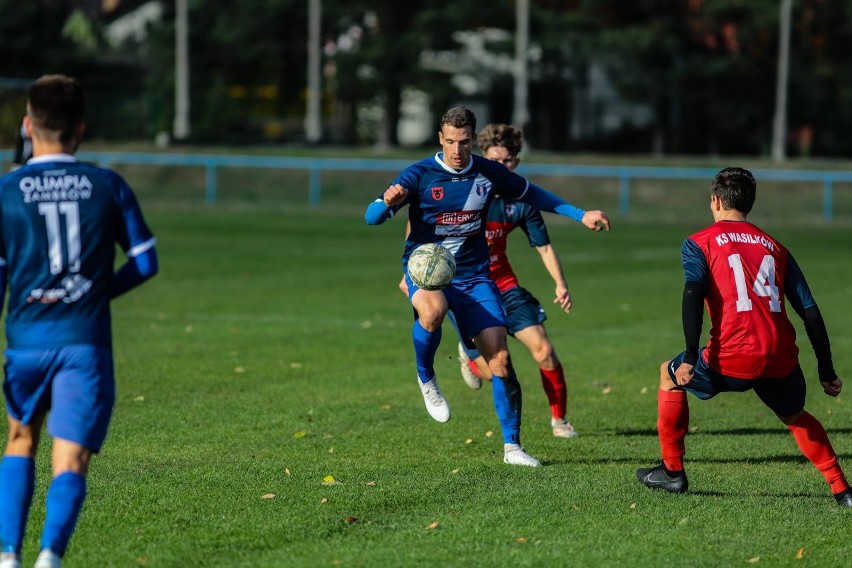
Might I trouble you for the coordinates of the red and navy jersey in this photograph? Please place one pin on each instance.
(747, 275)
(60, 222)
(504, 216)
(449, 207)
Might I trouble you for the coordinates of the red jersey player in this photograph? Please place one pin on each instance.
(525, 315)
(744, 276)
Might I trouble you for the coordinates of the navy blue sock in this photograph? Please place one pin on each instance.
(425, 346)
(64, 503)
(507, 403)
(17, 483)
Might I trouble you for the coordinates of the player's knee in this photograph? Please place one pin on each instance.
(21, 442)
(431, 316)
(791, 419)
(666, 382)
(545, 356)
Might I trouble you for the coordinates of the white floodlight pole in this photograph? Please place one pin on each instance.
(313, 126)
(779, 124)
(520, 112)
(181, 122)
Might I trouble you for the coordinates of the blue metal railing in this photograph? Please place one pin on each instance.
(315, 166)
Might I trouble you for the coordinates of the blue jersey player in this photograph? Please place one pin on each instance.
(60, 221)
(448, 197)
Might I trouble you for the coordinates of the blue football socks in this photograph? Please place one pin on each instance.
(507, 403)
(17, 483)
(425, 346)
(64, 502)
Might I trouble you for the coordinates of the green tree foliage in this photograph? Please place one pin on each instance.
(708, 68)
(247, 68)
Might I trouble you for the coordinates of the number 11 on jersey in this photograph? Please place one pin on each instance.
(51, 212)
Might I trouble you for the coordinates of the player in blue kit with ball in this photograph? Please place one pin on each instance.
(448, 197)
(60, 221)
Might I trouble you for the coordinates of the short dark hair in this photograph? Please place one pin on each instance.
(736, 188)
(504, 135)
(56, 106)
(459, 117)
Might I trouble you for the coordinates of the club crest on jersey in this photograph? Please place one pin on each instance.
(437, 193)
(480, 190)
(510, 209)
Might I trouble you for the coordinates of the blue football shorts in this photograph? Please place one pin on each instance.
(75, 384)
(785, 396)
(522, 311)
(475, 302)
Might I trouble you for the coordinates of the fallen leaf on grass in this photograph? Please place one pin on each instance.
(522, 539)
(489, 434)
(295, 365)
(468, 441)
(386, 407)
(350, 519)
(299, 434)
(240, 370)
(324, 500)
(644, 390)
(607, 390)
(329, 480)
(287, 470)
(268, 496)
(434, 525)
(371, 484)
(331, 450)
(633, 505)
(455, 471)
(800, 554)
(139, 399)
(754, 560)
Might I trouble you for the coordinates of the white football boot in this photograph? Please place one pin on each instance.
(9, 560)
(468, 375)
(436, 404)
(48, 559)
(513, 454)
(562, 428)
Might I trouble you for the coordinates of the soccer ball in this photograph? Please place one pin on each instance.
(431, 266)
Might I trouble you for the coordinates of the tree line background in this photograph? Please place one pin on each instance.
(703, 71)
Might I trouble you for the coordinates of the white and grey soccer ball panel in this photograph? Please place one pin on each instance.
(431, 266)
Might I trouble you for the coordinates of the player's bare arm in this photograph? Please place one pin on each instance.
(554, 268)
(596, 220)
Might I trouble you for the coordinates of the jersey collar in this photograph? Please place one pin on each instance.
(439, 157)
(52, 158)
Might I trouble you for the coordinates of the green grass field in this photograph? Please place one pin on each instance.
(268, 415)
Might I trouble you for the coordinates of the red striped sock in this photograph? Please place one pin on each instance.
(557, 393)
(812, 440)
(672, 426)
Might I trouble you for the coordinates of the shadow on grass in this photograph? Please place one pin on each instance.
(772, 494)
(729, 431)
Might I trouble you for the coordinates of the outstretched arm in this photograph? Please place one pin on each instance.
(542, 199)
(554, 268)
(382, 209)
